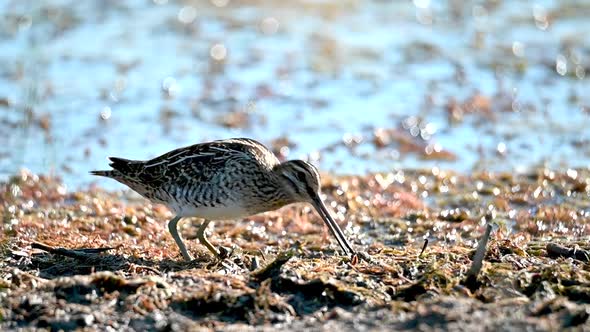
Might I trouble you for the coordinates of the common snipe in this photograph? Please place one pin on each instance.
(223, 180)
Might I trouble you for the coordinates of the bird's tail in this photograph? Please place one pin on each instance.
(121, 167)
(108, 174)
(125, 166)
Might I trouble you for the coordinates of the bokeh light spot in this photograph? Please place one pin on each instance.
(187, 14)
(269, 25)
(218, 52)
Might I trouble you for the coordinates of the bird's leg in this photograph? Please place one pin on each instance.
(172, 227)
(203, 239)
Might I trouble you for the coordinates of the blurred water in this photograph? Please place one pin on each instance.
(84, 80)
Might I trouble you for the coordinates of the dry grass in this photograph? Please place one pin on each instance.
(284, 271)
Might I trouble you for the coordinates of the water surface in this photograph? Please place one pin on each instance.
(355, 86)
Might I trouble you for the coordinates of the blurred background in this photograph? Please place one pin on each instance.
(353, 86)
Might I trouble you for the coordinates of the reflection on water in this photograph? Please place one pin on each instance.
(355, 86)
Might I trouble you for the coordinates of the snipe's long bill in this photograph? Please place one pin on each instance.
(223, 180)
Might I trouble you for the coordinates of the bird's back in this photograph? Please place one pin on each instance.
(205, 174)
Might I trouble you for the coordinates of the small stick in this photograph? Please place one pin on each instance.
(82, 253)
(366, 257)
(274, 267)
(423, 248)
(471, 278)
(556, 250)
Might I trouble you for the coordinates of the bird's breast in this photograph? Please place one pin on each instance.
(219, 212)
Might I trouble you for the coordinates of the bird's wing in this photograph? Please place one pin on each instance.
(201, 162)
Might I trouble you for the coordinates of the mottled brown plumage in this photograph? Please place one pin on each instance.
(220, 180)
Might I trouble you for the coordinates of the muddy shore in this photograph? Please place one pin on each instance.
(285, 272)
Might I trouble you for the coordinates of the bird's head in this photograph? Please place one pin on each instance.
(301, 181)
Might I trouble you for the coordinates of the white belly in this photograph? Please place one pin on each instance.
(211, 213)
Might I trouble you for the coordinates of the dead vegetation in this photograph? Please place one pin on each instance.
(283, 272)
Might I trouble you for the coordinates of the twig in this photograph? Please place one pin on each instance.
(81, 253)
(423, 248)
(556, 250)
(480, 252)
(366, 257)
(274, 267)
